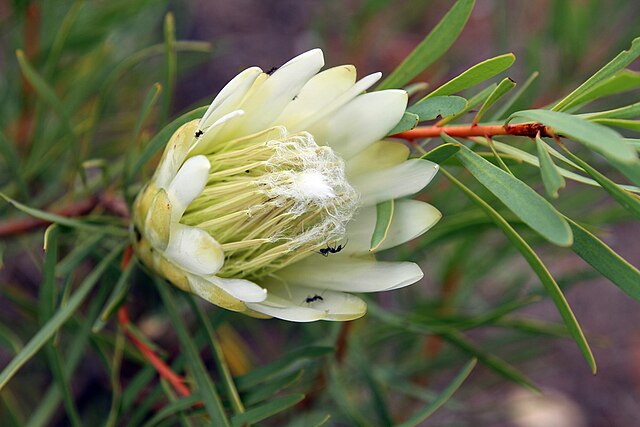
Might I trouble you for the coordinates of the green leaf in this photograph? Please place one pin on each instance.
(623, 59)
(501, 90)
(272, 387)
(528, 205)
(284, 362)
(599, 138)
(173, 408)
(627, 112)
(206, 388)
(442, 152)
(623, 81)
(117, 297)
(407, 122)
(550, 285)
(384, 215)
(551, 177)
(474, 75)
(504, 108)
(473, 102)
(442, 397)
(629, 201)
(439, 106)
(601, 257)
(432, 47)
(12, 162)
(273, 407)
(67, 222)
(619, 123)
(171, 64)
(57, 320)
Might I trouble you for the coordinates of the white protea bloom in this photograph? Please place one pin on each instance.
(279, 168)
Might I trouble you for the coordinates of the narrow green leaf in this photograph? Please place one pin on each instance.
(623, 81)
(629, 201)
(206, 387)
(443, 396)
(623, 59)
(523, 201)
(407, 122)
(12, 162)
(284, 362)
(602, 258)
(474, 75)
(67, 222)
(272, 387)
(473, 102)
(551, 177)
(599, 138)
(116, 298)
(619, 123)
(438, 106)
(626, 112)
(173, 408)
(501, 90)
(384, 216)
(57, 320)
(273, 407)
(442, 152)
(550, 285)
(432, 47)
(504, 108)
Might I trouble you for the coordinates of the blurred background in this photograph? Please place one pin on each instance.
(90, 54)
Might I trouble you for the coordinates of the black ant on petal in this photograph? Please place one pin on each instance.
(272, 70)
(199, 132)
(314, 298)
(329, 250)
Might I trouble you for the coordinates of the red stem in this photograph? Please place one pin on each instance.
(465, 131)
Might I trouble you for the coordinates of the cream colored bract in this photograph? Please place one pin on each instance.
(247, 200)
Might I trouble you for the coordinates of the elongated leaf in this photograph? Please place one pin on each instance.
(619, 123)
(601, 257)
(501, 90)
(550, 285)
(67, 222)
(384, 216)
(438, 106)
(442, 152)
(473, 102)
(116, 298)
(210, 397)
(623, 81)
(272, 387)
(12, 162)
(57, 320)
(597, 137)
(442, 397)
(523, 201)
(627, 112)
(533, 160)
(173, 408)
(474, 75)
(629, 201)
(551, 177)
(432, 47)
(273, 407)
(407, 122)
(623, 59)
(171, 64)
(286, 361)
(505, 107)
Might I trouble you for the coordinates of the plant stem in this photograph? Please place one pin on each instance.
(465, 131)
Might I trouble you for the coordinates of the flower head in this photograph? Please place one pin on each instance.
(266, 205)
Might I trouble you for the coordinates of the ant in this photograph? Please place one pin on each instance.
(199, 133)
(272, 70)
(329, 250)
(314, 298)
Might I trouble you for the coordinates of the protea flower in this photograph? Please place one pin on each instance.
(267, 204)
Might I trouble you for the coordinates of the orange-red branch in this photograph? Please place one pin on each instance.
(466, 131)
(162, 368)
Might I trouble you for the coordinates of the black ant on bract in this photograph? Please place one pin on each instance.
(314, 298)
(199, 133)
(272, 70)
(329, 250)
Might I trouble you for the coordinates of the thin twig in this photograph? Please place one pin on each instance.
(465, 131)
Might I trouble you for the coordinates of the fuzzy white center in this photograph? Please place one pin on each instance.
(313, 184)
